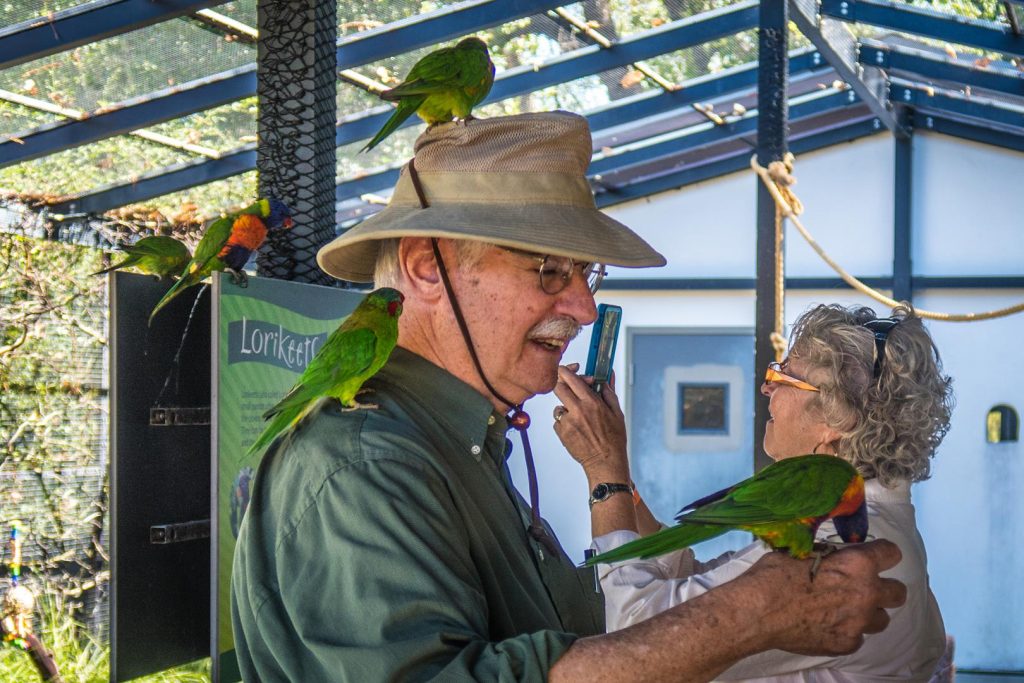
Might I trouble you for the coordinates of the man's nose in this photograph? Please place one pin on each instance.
(577, 300)
(766, 389)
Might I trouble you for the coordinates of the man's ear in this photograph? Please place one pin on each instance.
(419, 267)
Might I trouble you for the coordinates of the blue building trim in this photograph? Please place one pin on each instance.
(966, 131)
(165, 181)
(88, 23)
(140, 112)
(993, 77)
(983, 109)
(585, 61)
(432, 28)
(655, 284)
(921, 21)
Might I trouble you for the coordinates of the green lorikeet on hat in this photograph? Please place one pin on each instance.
(444, 85)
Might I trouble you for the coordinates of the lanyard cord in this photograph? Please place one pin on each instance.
(517, 417)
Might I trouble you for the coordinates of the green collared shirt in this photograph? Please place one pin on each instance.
(390, 544)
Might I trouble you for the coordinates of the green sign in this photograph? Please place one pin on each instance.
(264, 335)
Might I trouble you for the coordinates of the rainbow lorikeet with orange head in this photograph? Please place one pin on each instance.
(228, 243)
(351, 355)
(444, 85)
(158, 255)
(782, 505)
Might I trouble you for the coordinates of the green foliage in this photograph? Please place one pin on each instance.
(80, 657)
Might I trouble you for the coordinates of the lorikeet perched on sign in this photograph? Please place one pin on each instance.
(227, 244)
(155, 255)
(782, 505)
(351, 355)
(444, 85)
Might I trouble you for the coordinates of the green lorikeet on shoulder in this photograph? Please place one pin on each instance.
(158, 255)
(782, 505)
(227, 244)
(352, 354)
(443, 86)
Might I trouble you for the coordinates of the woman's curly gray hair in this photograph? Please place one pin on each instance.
(890, 426)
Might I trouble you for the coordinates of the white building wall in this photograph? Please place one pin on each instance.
(966, 221)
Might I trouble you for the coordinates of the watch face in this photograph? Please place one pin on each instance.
(600, 491)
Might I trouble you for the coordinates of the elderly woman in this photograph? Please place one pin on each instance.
(864, 389)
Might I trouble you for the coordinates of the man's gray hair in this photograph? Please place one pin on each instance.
(386, 272)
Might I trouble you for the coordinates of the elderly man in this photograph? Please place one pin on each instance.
(390, 544)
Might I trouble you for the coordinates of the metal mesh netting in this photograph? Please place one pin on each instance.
(17, 11)
(15, 118)
(125, 66)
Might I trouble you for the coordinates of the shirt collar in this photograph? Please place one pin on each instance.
(876, 493)
(462, 410)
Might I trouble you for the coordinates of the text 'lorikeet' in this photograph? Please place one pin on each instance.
(228, 243)
(782, 505)
(352, 354)
(443, 86)
(155, 255)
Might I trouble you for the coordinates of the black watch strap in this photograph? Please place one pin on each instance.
(606, 490)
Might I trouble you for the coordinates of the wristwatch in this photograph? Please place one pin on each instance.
(604, 491)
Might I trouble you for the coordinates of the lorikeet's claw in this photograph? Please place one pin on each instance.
(821, 551)
(238, 277)
(356, 405)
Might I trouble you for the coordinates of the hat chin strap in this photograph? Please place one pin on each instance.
(517, 417)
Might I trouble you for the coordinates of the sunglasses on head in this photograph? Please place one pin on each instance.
(775, 375)
(880, 327)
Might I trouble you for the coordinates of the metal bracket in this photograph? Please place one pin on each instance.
(162, 534)
(178, 416)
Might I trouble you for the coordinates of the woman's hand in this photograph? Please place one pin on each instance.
(592, 427)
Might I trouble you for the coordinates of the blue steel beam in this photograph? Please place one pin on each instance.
(708, 133)
(140, 112)
(673, 36)
(87, 23)
(623, 111)
(694, 137)
(967, 131)
(161, 182)
(921, 21)
(435, 27)
(737, 162)
(903, 187)
(836, 43)
(585, 61)
(1007, 80)
(656, 284)
(983, 109)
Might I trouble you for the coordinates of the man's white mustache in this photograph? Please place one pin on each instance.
(556, 328)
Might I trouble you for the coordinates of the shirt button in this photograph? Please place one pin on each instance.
(490, 420)
(475, 450)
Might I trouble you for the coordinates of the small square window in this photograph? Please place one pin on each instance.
(702, 408)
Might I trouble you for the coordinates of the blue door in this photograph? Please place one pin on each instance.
(690, 403)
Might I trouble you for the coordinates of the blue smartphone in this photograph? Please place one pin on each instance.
(602, 345)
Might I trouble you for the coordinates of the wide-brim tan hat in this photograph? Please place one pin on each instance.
(515, 181)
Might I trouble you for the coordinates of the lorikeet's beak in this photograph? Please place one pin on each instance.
(853, 528)
(287, 223)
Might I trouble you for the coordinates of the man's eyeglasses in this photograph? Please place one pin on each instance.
(775, 375)
(880, 327)
(557, 271)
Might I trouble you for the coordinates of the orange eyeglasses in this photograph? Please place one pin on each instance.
(775, 375)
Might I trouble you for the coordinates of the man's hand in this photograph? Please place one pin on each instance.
(830, 614)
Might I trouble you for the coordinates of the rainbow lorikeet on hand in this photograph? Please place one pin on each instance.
(782, 505)
(352, 354)
(227, 244)
(444, 85)
(155, 255)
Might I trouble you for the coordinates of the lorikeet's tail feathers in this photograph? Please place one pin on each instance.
(176, 289)
(283, 425)
(127, 263)
(664, 541)
(717, 495)
(405, 109)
